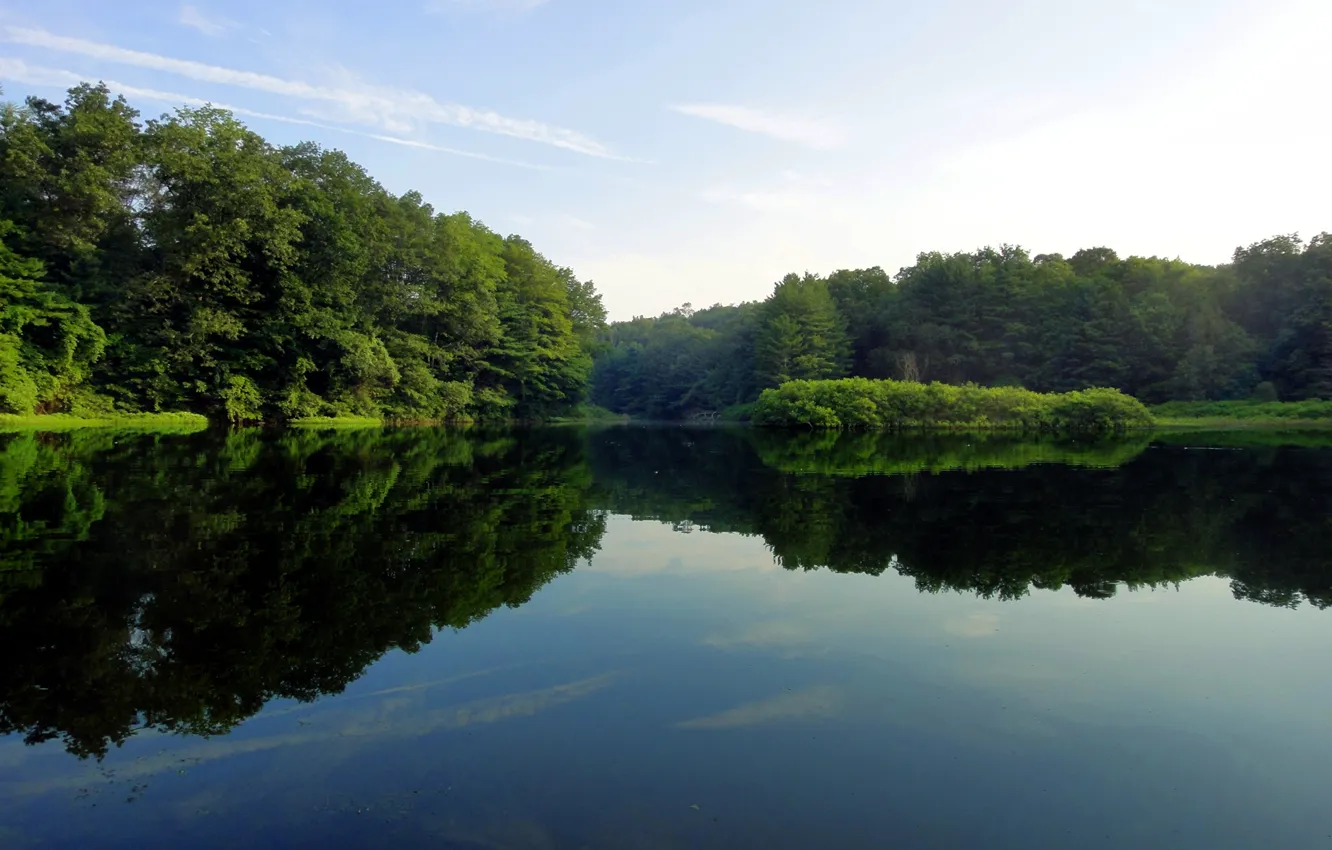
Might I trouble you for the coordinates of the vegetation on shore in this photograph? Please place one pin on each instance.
(182, 423)
(185, 263)
(1158, 329)
(1313, 413)
(591, 413)
(860, 403)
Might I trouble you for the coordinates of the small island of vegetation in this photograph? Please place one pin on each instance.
(860, 403)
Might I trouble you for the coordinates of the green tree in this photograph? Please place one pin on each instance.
(800, 334)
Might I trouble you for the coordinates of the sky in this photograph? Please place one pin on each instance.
(695, 151)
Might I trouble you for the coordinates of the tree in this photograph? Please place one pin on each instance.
(800, 335)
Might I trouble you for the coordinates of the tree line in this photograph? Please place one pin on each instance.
(1158, 329)
(184, 263)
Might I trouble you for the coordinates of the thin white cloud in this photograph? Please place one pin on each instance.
(213, 27)
(21, 72)
(801, 130)
(817, 703)
(395, 110)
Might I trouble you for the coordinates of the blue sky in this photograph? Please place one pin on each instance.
(692, 151)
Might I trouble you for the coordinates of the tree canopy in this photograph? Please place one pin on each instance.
(184, 263)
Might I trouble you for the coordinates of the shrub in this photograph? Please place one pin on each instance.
(861, 403)
(242, 400)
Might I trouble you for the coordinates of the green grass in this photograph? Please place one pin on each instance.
(176, 423)
(1244, 414)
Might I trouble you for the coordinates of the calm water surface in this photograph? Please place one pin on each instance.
(663, 638)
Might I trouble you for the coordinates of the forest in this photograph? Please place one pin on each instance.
(1259, 327)
(185, 264)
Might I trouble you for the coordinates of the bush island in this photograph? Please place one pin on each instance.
(861, 403)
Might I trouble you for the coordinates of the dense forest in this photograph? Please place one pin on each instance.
(1160, 330)
(185, 264)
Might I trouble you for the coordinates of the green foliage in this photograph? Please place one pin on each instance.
(165, 423)
(679, 364)
(186, 263)
(241, 399)
(800, 334)
(1159, 330)
(592, 413)
(1212, 413)
(47, 342)
(860, 403)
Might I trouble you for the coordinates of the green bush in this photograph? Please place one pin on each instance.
(861, 403)
(242, 400)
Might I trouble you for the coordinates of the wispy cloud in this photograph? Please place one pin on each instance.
(214, 27)
(394, 110)
(816, 703)
(802, 130)
(21, 72)
(33, 75)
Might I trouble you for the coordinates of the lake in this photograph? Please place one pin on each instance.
(653, 637)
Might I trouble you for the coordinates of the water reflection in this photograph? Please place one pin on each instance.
(179, 584)
(1093, 517)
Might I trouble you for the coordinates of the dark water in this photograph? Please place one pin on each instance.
(662, 638)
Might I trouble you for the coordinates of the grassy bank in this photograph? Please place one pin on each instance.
(182, 423)
(1244, 414)
(860, 403)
